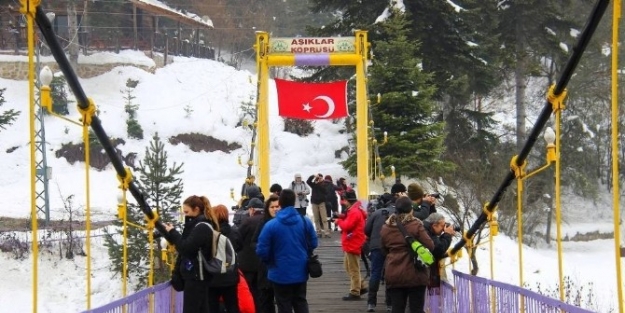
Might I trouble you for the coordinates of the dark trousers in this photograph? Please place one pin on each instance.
(265, 301)
(231, 301)
(195, 297)
(252, 282)
(291, 298)
(377, 265)
(414, 295)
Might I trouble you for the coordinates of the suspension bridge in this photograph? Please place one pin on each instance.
(462, 293)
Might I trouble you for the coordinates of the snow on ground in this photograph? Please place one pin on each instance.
(215, 92)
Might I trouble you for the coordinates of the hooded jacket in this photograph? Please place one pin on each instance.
(283, 245)
(400, 271)
(353, 229)
(374, 224)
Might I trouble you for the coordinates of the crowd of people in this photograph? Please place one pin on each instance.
(273, 238)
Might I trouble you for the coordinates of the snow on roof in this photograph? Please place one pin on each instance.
(156, 6)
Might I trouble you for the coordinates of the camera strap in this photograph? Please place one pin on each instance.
(423, 254)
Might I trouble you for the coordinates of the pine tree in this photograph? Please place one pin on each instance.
(58, 92)
(163, 189)
(7, 117)
(406, 110)
(133, 128)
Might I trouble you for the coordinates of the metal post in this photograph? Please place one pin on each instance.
(42, 196)
(362, 114)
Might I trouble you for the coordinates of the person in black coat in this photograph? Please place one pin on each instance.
(441, 234)
(224, 285)
(265, 287)
(318, 199)
(249, 263)
(196, 236)
(332, 201)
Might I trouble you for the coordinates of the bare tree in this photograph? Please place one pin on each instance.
(72, 28)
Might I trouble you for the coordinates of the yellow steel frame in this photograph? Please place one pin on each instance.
(28, 8)
(616, 16)
(358, 59)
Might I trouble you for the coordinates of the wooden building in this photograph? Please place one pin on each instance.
(147, 25)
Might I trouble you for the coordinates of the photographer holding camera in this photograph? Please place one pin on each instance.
(318, 200)
(422, 205)
(441, 234)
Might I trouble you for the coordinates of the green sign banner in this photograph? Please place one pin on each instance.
(308, 45)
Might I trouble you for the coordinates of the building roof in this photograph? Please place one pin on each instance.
(187, 18)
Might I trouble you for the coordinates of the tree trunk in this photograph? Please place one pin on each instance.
(134, 25)
(84, 26)
(519, 77)
(72, 27)
(475, 268)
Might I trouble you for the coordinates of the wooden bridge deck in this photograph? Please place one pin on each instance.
(324, 293)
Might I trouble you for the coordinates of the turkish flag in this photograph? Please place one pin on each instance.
(312, 101)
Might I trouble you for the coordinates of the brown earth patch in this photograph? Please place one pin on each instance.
(199, 142)
(98, 158)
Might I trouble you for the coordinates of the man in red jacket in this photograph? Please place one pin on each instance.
(352, 225)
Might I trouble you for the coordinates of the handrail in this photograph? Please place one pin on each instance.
(84, 103)
(545, 301)
(544, 116)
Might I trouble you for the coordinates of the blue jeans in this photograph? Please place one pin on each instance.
(377, 265)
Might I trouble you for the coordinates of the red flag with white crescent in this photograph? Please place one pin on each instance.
(312, 101)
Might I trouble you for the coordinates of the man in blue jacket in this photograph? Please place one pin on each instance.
(283, 245)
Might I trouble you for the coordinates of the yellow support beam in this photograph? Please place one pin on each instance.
(362, 115)
(616, 16)
(28, 8)
(262, 130)
(333, 59)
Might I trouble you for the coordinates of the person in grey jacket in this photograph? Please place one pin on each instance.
(375, 221)
(301, 192)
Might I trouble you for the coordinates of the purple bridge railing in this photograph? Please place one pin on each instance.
(166, 300)
(471, 294)
(477, 294)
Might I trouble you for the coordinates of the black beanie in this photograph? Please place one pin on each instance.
(397, 188)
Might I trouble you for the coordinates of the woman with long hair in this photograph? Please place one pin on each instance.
(265, 288)
(224, 285)
(196, 236)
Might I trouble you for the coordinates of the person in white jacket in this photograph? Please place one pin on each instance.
(301, 194)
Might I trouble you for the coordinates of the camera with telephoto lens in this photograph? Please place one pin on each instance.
(456, 227)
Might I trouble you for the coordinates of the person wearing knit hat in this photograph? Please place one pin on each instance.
(402, 279)
(422, 205)
(398, 188)
(415, 191)
(352, 224)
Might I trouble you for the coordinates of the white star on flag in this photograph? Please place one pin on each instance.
(307, 107)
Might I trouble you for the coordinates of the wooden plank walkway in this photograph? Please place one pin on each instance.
(324, 293)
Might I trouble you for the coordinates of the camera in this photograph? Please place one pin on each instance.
(456, 227)
(234, 208)
(435, 195)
